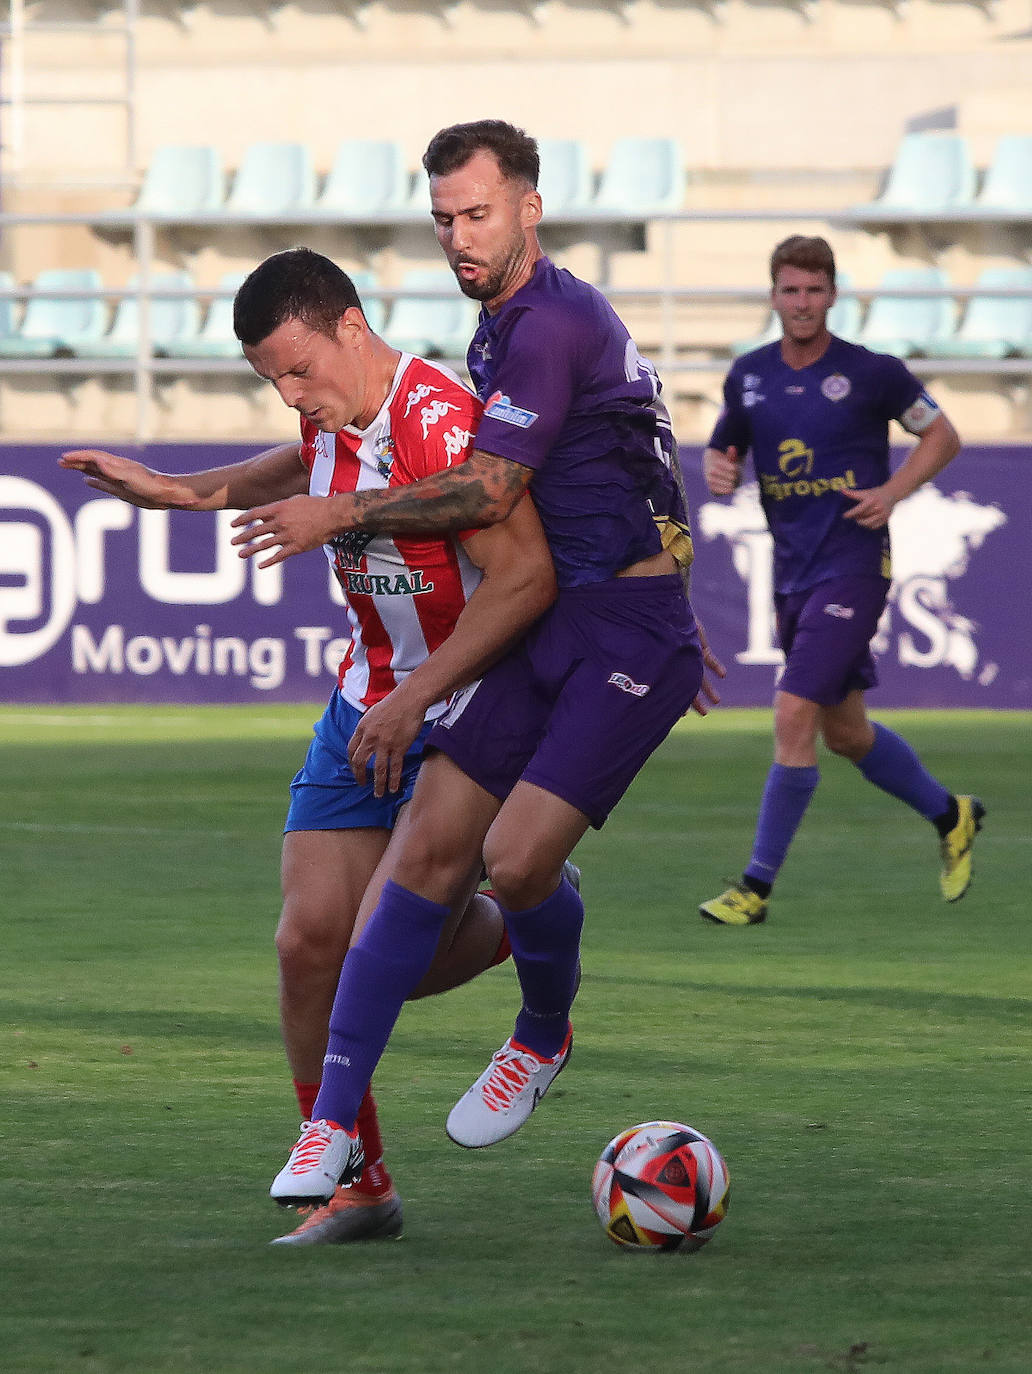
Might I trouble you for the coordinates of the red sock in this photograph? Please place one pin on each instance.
(306, 1095)
(374, 1178)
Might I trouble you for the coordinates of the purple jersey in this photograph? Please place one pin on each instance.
(813, 432)
(567, 393)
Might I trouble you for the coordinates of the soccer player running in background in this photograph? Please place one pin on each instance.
(544, 745)
(815, 411)
(426, 614)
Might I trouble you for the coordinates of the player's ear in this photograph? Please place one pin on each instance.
(350, 325)
(531, 210)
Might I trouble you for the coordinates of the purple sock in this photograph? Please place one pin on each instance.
(386, 962)
(892, 765)
(545, 943)
(786, 795)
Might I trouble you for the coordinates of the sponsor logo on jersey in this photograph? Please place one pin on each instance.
(356, 583)
(839, 611)
(500, 407)
(628, 684)
(418, 393)
(456, 441)
(435, 411)
(349, 548)
(836, 387)
(795, 390)
(816, 486)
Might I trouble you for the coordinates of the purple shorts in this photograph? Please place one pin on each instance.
(579, 705)
(826, 632)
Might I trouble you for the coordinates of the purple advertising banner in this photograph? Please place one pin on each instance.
(101, 602)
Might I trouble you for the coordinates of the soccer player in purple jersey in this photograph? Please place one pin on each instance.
(544, 745)
(815, 411)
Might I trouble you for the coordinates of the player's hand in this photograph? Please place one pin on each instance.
(283, 528)
(722, 470)
(873, 507)
(122, 477)
(382, 738)
(707, 695)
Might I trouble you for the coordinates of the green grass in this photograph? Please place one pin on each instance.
(861, 1060)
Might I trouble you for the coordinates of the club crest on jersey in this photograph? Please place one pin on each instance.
(500, 407)
(383, 452)
(836, 387)
(628, 684)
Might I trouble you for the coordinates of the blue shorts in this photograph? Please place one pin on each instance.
(579, 705)
(826, 632)
(325, 795)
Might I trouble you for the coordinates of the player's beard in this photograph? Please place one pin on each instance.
(492, 283)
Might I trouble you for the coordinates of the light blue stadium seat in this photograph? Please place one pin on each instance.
(932, 173)
(215, 338)
(182, 181)
(8, 307)
(273, 179)
(642, 176)
(59, 326)
(843, 319)
(992, 326)
(375, 310)
(565, 181)
(171, 320)
(368, 176)
(904, 325)
(433, 328)
(1008, 182)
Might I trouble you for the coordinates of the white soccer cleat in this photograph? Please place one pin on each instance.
(505, 1094)
(325, 1155)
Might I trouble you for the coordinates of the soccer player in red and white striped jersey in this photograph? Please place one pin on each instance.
(427, 615)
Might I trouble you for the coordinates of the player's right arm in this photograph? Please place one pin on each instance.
(273, 475)
(517, 586)
(722, 469)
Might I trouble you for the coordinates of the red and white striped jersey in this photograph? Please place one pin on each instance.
(405, 593)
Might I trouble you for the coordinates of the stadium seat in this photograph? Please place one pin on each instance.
(993, 326)
(843, 320)
(642, 176)
(273, 179)
(374, 308)
(368, 176)
(215, 338)
(904, 325)
(171, 320)
(565, 181)
(182, 181)
(1008, 182)
(59, 325)
(436, 328)
(8, 306)
(932, 173)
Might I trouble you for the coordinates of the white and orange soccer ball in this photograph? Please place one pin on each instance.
(660, 1186)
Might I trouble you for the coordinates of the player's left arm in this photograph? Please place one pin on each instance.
(938, 444)
(517, 586)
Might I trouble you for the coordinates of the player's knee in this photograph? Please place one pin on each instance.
(306, 942)
(519, 878)
(847, 741)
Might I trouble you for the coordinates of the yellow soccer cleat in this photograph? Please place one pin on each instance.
(956, 846)
(738, 906)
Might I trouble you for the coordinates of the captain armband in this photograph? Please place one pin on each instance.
(677, 540)
(917, 417)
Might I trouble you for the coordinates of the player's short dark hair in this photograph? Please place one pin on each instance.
(808, 254)
(298, 284)
(515, 151)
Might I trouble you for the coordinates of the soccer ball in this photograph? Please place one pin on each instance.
(660, 1186)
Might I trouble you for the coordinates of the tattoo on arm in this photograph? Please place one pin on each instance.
(466, 497)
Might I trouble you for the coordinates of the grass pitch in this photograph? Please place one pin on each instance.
(861, 1060)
